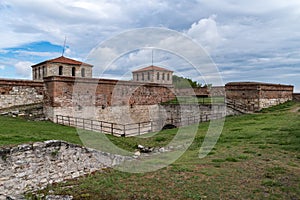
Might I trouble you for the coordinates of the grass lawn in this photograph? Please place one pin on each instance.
(256, 157)
(17, 131)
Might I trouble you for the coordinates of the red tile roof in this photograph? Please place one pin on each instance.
(152, 68)
(63, 60)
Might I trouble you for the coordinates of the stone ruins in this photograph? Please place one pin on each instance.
(65, 87)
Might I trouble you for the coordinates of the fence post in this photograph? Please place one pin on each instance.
(151, 124)
(112, 128)
(206, 117)
(83, 124)
(139, 130)
(124, 130)
(101, 126)
(76, 122)
(69, 120)
(92, 125)
(57, 119)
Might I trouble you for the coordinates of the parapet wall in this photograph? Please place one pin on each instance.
(216, 91)
(253, 96)
(32, 166)
(75, 95)
(20, 92)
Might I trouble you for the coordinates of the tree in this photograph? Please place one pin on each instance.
(181, 82)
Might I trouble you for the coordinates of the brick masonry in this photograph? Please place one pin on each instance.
(68, 96)
(216, 91)
(253, 96)
(20, 92)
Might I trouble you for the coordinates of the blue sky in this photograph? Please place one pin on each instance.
(248, 40)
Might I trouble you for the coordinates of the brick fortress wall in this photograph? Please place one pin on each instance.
(102, 99)
(252, 96)
(20, 92)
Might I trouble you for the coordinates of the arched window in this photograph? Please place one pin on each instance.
(82, 72)
(163, 76)
(73, 71)
(60, 70)
(157, 76)
(168, 76)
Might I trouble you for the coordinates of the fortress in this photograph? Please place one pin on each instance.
(65, 87)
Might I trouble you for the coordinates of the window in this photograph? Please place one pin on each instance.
(60, 70)
(82, 72)
(39, 72)
(148, 76)
(168, 76)
(44, 71)
(73, 71)
(137, 77)
(163, 76)
(143, 78)
(157, 76)
(35, 73)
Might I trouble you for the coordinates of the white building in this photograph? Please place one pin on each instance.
(61, 66)
(153, 74)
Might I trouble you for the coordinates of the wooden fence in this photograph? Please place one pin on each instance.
(132, 129)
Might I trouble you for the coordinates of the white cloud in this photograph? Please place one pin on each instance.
(36, 53)
(244, 33)
(205, 31)
(2, 67)
(23, 68)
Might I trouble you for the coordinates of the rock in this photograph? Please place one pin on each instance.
(32, 167)
(145, 149)
(58, 197)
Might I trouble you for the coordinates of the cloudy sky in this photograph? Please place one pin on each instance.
(248, 40)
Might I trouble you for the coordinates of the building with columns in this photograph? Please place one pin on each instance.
(153, 74)
(61, 66)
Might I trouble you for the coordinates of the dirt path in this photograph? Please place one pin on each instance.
(295, 109)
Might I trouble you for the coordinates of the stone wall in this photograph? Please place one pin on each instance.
(181, 115)
(217, 91)
(69, 95)
(30, 167)
(20, 92)
(253, 96)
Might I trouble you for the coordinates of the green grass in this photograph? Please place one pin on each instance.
(17, 131)
(256, 157)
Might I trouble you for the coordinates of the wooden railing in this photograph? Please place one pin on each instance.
(132, 129)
